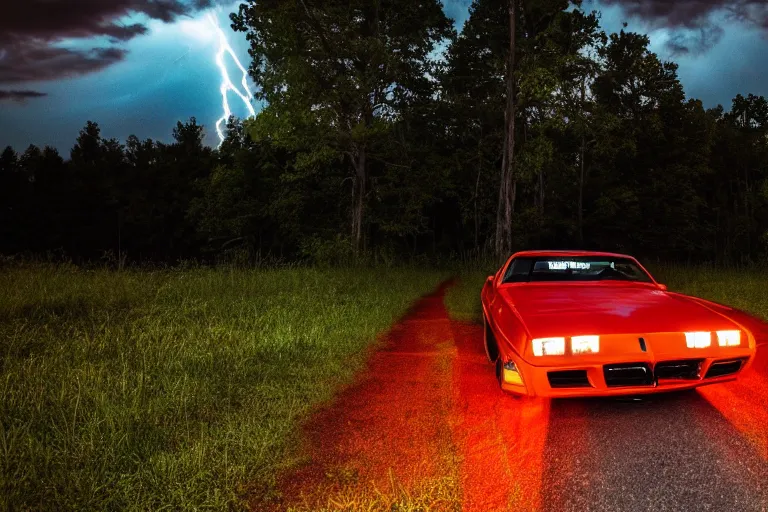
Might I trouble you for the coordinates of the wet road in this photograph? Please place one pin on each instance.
(429, 408)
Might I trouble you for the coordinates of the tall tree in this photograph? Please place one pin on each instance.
(551, 55)
(334, 72)
(14, 193)
(508, 184)
(472, 93)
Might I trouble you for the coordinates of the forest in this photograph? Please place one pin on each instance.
(389, 136)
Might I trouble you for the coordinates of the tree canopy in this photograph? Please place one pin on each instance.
(385, 136)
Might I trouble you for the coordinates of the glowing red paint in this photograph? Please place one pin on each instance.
(533, 324)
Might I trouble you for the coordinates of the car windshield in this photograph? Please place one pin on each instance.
(583, 268)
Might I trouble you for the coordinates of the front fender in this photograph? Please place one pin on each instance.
(507, 327)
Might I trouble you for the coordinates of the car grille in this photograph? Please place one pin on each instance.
(627, 374)
(683, 369)
(726, 367)
(568, 379)
(641, 374)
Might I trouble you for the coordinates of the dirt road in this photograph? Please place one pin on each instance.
(426, 426)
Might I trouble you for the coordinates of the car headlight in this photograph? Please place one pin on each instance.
(585, 344)
(729, 338)
(698, 339)
(548, 346)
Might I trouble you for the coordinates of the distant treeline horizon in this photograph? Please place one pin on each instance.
(536, 129)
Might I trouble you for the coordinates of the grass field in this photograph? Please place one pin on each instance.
(173, 389)
(183, 389)
(744, 288)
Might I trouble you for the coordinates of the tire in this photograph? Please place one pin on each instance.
(489, 342)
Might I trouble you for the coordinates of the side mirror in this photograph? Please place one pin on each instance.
(662, 287)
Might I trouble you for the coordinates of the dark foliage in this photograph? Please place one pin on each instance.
(348, 159)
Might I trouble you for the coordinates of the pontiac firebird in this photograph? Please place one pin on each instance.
(577, 323)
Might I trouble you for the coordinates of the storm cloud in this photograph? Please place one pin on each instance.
(20, 96)
(696, 25)
(43, 40)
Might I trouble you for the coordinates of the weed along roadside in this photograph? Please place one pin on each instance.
(174, 389)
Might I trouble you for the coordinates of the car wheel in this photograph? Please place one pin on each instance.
(489, 341)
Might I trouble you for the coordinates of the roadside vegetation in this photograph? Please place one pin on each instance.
(462, 300)
(431, 495)
(178, 388)
(743, 288)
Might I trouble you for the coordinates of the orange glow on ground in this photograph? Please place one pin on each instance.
(428, 409)
(744, 403)
(390, 427)
(500, 438)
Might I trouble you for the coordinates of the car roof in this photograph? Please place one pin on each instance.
(534, 254)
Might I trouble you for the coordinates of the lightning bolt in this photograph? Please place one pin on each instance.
(244, 94)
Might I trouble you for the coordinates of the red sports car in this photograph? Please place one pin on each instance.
(575, 323)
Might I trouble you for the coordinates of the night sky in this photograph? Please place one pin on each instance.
(138, 66)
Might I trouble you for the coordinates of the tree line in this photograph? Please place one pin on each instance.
(387, 135)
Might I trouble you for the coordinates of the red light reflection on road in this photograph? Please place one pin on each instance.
(390, 427)
(500, 438)
(744, 403)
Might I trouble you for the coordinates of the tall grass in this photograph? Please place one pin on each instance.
(173, 389)
(743, 288)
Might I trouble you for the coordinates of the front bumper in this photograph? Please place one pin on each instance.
(608, 378)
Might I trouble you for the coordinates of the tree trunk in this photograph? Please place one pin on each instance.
(747, 216)
(541, 207)
(499, 240)
(508, 185)
(477, 186)
(581, 171)
(358, 199)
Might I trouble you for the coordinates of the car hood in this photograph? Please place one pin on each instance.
(600, 308)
